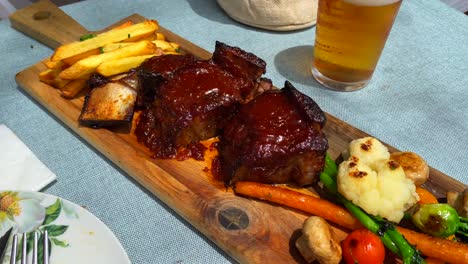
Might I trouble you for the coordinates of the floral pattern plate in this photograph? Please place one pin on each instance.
(75, 235)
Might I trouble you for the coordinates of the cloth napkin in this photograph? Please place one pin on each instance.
(278, 15)
(20, 169)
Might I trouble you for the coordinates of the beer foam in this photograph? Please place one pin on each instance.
(371, 2)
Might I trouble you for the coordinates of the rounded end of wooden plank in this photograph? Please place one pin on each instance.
(47, 23)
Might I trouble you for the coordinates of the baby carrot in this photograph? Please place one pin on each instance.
(439, 248)
(434, 261)
(307, 203)
(425, 196)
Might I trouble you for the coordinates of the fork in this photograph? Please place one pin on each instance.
(34, 249)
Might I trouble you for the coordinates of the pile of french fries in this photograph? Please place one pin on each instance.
(110, 53)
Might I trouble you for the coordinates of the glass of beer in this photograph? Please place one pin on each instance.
(350, 36)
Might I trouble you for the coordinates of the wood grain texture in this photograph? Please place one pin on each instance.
(248, 230)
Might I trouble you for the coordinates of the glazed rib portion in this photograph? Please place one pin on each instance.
(197, 100)
(245, 66)
(154, 72)
(275, 138)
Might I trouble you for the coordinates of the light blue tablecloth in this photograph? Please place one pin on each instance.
(416, 101)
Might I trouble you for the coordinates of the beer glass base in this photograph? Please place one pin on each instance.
(336, 85)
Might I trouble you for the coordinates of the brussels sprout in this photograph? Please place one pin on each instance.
(436, 219)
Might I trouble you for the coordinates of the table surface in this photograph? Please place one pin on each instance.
(416, 101)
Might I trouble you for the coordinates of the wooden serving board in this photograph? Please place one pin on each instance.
(248, 230)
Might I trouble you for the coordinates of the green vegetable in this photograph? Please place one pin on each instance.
(440, 220)
(462, 230)
(87, 36)
(330, 166)
(387, 232)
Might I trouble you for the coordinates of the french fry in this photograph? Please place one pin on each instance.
(149, 36)
(53, 64)
(51, 77)
(160, 36)
(164, 45)
(174, 45)
(111, 36)
(113, 46)
(72, 88)
(48, 74)
(123, 25)
(122, 65)
(74, 59)
(83, 68)
(172, 52)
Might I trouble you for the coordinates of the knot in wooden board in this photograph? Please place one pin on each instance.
(233, 218)
(41, 15)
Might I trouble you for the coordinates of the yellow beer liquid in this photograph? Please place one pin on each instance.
(350, 37)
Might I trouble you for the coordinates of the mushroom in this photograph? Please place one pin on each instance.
(459, 201)
(318, 242)
(415, 166)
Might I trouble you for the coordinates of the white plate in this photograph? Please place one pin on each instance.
(76, 236)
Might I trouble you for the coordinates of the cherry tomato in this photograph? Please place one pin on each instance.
(363, 247)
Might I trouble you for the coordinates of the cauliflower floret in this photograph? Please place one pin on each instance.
(369, 150)
(374, 182)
